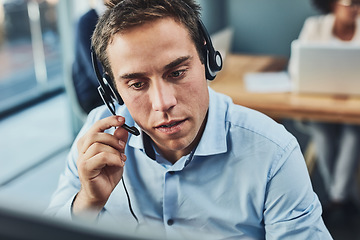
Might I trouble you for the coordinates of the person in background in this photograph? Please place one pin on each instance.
(337, 145)
(83, 76)
(202, 167)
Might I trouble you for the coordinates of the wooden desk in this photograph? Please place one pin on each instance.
(326, 108)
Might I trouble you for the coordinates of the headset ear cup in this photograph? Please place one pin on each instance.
(211, 66)
(212, 58)
(217, 62)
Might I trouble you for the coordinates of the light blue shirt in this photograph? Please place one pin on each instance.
(246, 179)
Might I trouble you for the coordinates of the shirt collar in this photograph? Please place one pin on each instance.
(143, 143)
(213, 140)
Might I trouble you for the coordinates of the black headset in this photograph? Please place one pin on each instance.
(213, 64)
(212, 58)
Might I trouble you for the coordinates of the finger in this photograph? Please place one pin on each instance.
(106, 123)
(92, 167)
(102, 138)
(121, 134)
(99, 127)
(97, 148)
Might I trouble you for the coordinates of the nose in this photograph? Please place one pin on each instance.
(163, 96)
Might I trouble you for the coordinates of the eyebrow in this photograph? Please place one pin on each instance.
(176, 62)
(171, 65)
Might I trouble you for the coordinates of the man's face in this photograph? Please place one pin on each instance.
(161, 79)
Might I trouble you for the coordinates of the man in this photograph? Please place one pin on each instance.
(201, 164)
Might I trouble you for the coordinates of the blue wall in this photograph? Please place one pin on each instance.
(260, 26)
(214, 14)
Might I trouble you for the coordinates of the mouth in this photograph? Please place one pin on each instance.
(170, 127)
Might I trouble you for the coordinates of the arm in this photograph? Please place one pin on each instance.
(292, 209)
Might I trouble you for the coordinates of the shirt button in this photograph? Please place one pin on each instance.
(171, 172)
(170, 222)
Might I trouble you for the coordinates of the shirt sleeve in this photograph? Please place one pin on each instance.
(292, 209)
(69, 182)
(68, 186)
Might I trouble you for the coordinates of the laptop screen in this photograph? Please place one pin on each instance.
(325, 68)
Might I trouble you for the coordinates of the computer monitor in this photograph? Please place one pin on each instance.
(19, 224)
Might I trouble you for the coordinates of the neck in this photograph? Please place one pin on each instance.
(344, 31)
(173, 157)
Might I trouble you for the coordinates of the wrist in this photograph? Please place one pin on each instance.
(85, 208)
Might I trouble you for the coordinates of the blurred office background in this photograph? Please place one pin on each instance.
(38, 116)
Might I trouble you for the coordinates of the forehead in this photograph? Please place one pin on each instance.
(156, 42)
(151, 29)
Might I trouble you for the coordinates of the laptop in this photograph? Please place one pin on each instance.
(222, 41)
(325, 68)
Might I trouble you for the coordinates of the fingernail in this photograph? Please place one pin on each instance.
(122, 144)
(123, 157)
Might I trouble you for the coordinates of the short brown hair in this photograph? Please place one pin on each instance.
(122, 15)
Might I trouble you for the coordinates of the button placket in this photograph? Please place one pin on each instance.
(170, 197)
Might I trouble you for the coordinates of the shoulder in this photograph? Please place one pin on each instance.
(89, 15)
(259, 142)
(319, 19)
(248, 124)
(95, 115)
(317, 28)
(253, 139)
(85, 26)
(98, 113)
(254, 126)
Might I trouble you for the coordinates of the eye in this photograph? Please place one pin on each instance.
(177, 74)
(137, 85)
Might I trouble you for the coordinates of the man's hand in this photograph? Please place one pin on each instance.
(100, 164)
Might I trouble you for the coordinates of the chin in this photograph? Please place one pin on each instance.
(174, 145)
